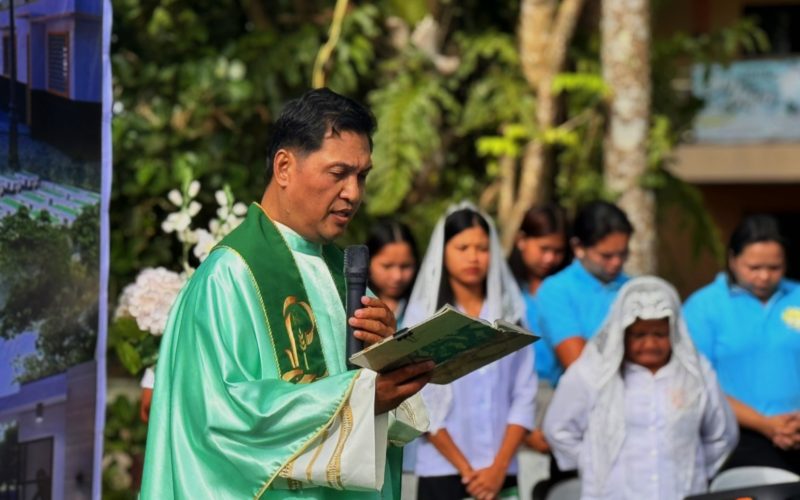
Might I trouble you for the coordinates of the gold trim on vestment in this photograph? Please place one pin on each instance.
(334, 472)
(320, 446)
(310, 440)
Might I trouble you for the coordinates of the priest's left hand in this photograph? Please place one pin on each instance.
(373, 322)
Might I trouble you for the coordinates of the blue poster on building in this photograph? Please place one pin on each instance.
(749, 101)
(54, 179)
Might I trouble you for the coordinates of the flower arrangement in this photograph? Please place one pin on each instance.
(144, 305)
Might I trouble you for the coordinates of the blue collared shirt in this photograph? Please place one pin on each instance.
(574, 303)
(753, 346)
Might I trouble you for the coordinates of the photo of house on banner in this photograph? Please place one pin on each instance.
(50, 183)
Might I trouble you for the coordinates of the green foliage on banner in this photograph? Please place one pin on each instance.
(50, 277)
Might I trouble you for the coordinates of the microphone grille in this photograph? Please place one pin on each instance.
(356, 259)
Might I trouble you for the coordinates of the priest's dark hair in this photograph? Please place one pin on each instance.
(304, 123)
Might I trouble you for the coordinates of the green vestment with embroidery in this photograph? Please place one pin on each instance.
(252, 372)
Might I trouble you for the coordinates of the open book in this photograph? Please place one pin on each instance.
(459, 344)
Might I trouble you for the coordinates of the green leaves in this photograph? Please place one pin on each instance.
(410, 111)
(135, 349)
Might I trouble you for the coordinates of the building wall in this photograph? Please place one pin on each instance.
(53, 425)
(79, 441)
(702, 16)
(87, 65)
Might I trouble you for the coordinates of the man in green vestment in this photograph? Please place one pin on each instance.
(253, 397)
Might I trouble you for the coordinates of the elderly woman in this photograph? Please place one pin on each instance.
(640, 413)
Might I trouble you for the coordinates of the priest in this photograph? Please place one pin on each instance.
(253, 398)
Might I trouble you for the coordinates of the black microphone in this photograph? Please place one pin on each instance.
(356, 271)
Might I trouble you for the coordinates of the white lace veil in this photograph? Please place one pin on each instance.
(503, 298)
(600, 363)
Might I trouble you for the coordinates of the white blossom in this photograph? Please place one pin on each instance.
(175, 197)
(239, 209)
(236, 70)
(205, 242)
(194, 188)
(221, 197)
(194, 208)
(223, 212)
(152, 297)
(123, 305)
(177, 222)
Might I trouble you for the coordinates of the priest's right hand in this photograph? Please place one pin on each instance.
(394, 387)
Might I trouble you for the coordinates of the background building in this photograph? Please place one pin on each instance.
(58, 87)
(744, 155)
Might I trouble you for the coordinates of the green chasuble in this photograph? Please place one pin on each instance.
(251, 379)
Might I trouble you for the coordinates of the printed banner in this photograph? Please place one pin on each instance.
(54, 190)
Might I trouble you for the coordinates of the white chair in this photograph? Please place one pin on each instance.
(742, 477)
(569, 489)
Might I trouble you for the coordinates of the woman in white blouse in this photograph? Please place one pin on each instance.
(640, 413)
(478, 421)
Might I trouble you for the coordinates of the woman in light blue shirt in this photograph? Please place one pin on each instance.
(478, 421)
(747, 322)
(573, 303)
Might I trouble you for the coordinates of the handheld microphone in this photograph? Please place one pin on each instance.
(356, 271)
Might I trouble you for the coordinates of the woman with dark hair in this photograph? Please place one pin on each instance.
(392, 264)
(478, 421)
(538, 252)
(573, 303)
(747, 322)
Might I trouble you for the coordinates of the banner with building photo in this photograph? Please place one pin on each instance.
(54, 190)
(748, 101)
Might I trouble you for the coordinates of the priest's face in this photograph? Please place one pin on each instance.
(324, 189)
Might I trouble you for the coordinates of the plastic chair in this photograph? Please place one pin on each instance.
(569, 489)
(742, 477)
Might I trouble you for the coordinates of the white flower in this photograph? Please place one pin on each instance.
(236, 70)
(240, 209)
(223, 212)
(194, 208)
(187, 236)
(221, 197)
(176, 221)
(152, 297)
(175, 197)
(205, 242)
(123, 305)
(194, 188)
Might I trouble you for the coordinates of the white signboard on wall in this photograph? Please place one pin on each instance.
(748, 102)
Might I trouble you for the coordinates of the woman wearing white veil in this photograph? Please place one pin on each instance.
(478, 421)
(640, 413)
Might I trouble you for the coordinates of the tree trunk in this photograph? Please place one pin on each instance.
(546, 27)
(625, 31)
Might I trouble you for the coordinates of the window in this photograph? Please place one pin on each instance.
(58, 62)
(781, 23)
